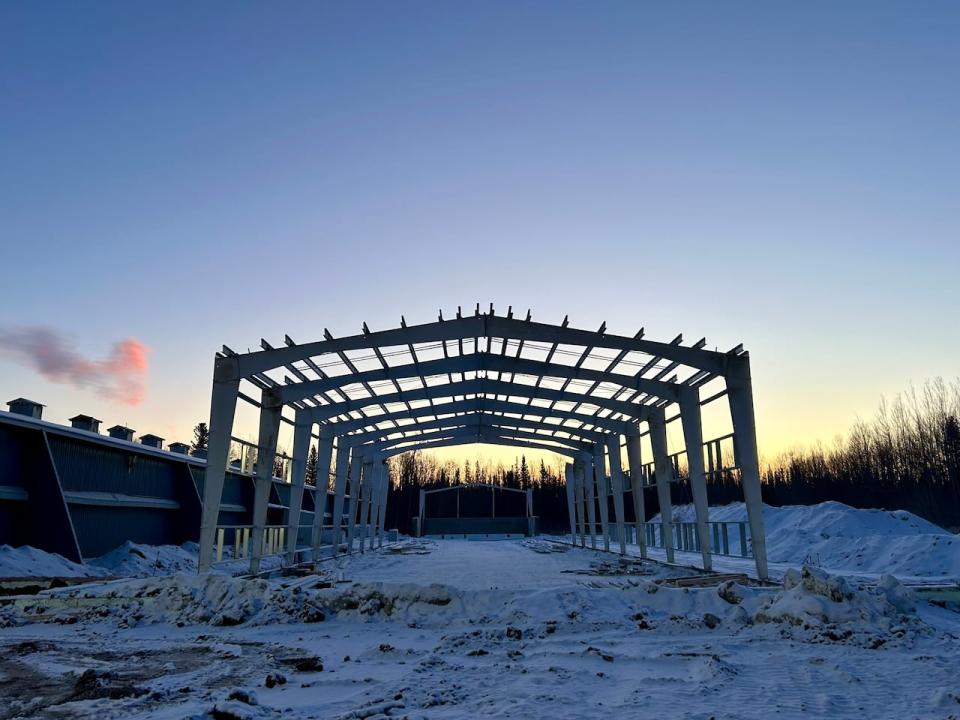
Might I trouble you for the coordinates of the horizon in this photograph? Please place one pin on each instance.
(785, 178)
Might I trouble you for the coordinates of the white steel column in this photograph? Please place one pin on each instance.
(422, 511)
(374, 502)
(636, 488)
(271, 407)
(568, 482)
(616, 480)
(363, 503)
(740, 396)
(369, 493)
(590, 488)
(356, 467)
(339, 490)
(693, 440)
(223, 406)
(324, 457)
(578, 477)
(663, 471)
(385, 494)
(301, 447)
(381, 473)
(600, 468)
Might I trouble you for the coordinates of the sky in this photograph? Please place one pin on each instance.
(177, 176)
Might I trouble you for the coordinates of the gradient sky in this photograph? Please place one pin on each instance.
(192, 174)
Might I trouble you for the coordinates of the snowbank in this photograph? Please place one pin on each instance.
(841, 538)
(136, 560)
(27, 561)
(811, 606)
(130, 560)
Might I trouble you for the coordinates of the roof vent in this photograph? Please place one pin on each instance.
(179, 447)
(152, 441)
(85, 422)
(121, 433)
(22, 406)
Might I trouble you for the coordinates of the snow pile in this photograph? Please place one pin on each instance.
(130, 560)
(841, 538)
(26, 561)
(812, 599)
(213, 599)
(137, 560)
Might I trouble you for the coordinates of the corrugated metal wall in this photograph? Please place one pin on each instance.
(98, 468)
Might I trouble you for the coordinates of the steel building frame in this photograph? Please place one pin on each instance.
(484, 378)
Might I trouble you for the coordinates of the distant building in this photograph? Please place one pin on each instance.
(121, 432)
(85, 422)
(22, 406)
(152, 441)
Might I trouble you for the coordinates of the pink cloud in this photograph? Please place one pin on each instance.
(122, 376)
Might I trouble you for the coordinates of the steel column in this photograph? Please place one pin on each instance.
(385, 494)
(302, 430)
(740, 395)
(270, 414)
(223, 406)
(635, 465)
(693, 440)
(590, 486)
(578, 477)
(356, 467)
(324, 457)
(616, 480)
(340, 488)
(663, 471)
(568, 486)
(603, 492)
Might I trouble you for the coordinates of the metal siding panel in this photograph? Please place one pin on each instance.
(100, 468)
(102, 529)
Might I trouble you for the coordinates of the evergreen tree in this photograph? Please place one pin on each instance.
(311, 472)
(524, 473)
(201, 435)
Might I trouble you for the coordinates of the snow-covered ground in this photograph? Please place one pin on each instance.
(845, 540)
(833, 536)
(466, 629)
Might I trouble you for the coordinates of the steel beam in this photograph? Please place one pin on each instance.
(480, 326)
(477, 362)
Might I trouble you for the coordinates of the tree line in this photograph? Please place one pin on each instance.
(906, 457)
